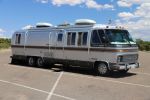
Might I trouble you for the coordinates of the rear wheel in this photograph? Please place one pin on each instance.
(102, 69)
(31, 61)
(40, 62)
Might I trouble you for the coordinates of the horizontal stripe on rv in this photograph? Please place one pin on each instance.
(77, 48)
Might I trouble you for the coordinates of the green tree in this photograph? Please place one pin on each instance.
(4, 43)
(143, 45)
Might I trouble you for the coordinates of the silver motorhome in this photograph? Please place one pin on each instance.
(86, 44)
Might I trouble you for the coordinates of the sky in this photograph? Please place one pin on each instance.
(131, 14)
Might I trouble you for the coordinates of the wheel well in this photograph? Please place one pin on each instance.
(98, 62)
(32, 56)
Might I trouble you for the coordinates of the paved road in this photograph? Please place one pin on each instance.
(20, 82)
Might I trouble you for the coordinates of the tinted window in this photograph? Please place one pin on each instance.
(18, 38)
(121, 36)
(95, 39)
(68, 38)
(71, 38)
(85, 38)
(98, 38)
(82, 38)
(79, 38)
(60, 37)
(102, 36)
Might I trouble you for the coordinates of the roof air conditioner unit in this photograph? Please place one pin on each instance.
(40, 25)
(85, 22)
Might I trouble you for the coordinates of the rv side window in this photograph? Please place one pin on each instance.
(82, 38)
(98, 38)
(103, 37)
(18, 38)
(71, 38)
(60, 37)
(95, 39)
(68, 39)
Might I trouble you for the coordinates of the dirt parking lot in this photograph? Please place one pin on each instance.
(20, 82)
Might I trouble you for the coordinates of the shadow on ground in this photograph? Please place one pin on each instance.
(77, 70)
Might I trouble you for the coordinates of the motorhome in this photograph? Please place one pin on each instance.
(85, 44)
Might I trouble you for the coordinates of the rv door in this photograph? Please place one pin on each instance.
(51, 44)
(59, 46)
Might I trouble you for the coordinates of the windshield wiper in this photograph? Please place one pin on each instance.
(128, 39)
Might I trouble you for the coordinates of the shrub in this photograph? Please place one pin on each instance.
(4, 43)
(143, 45)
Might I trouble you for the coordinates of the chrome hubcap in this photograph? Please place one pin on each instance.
(40, 62)
(31, 61)
(102, 68)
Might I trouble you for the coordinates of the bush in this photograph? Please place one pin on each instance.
(4, 43)
(143, 45)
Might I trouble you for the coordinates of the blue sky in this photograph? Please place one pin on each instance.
(15, 14)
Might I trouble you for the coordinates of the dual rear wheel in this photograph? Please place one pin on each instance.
(32, 61)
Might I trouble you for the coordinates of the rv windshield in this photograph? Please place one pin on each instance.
(119, 36)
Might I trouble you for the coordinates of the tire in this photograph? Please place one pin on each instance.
(40, 62)
(31, 61)
(123, 71)
(102, 69)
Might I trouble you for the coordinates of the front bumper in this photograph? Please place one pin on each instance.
(124, 66)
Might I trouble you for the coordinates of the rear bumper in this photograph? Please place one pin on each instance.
(124, 66)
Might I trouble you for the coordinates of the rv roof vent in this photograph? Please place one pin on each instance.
(64, 24)
(27, 27)
(40, 25)
(85, 22)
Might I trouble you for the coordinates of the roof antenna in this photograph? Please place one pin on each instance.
(109, 21)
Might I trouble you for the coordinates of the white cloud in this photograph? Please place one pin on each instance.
(124, 4)
(138, 22)
(143, 10)
(42, 1)
(2, 33)
(88, 3)
(67, 2)
(107, 6)
(95, 5)
(126, 15)
(129, 3)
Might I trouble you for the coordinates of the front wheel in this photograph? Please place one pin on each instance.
(102, 69)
